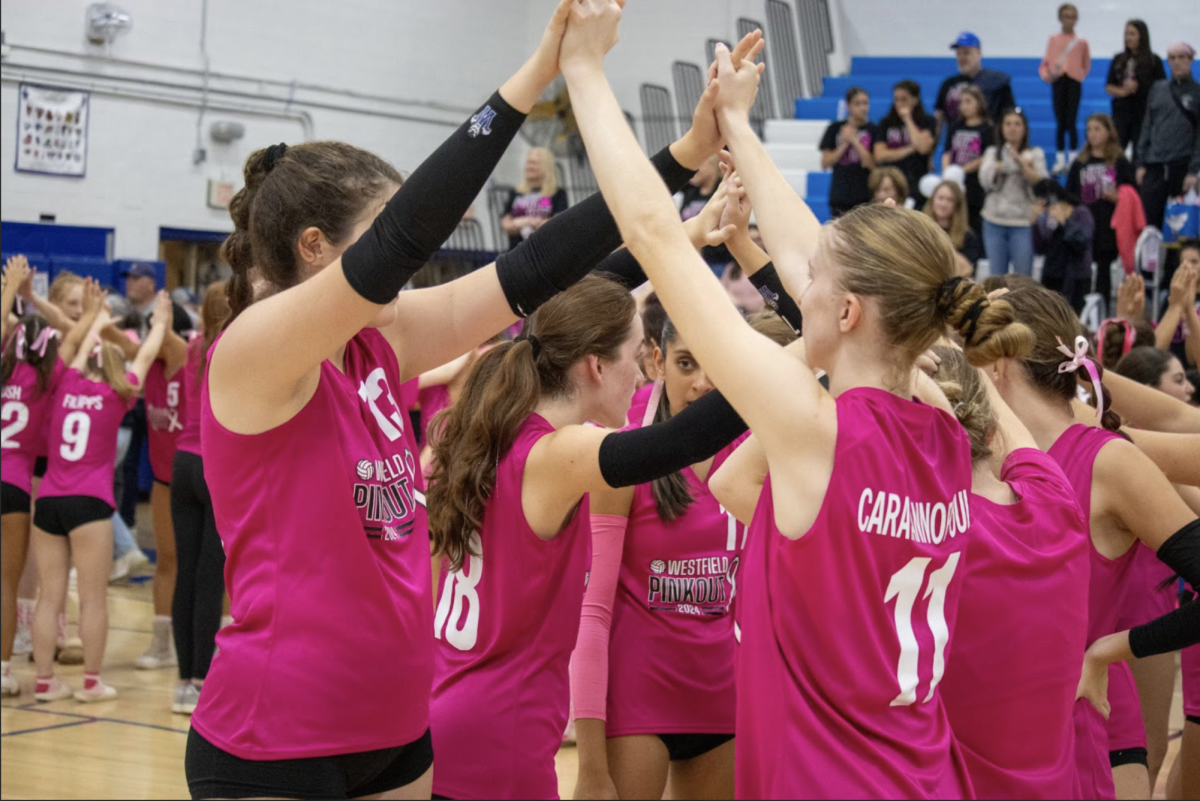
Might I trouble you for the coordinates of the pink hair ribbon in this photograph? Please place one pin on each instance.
(99, 349)
(1079, 358)
(39, 345)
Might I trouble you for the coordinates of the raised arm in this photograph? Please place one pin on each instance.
(149, 349)
(91, 338)
(768, 388)
(16, 272)
(93, 302)
(568, 246)
(739, 480)
(1174, 454)
(1150, 408)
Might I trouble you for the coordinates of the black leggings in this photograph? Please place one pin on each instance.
(1066, 92)
(200, 581)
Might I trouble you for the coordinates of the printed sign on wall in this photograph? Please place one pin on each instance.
(52, 130)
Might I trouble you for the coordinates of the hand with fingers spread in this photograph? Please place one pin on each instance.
(18, 273)
(593, 28)
(704, 229)
(704, 138)
(738, 84)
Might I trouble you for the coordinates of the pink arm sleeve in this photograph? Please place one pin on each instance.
(589, 663)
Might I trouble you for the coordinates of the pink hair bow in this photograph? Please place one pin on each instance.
(97, 351)
(39, 345)
(1079, 358)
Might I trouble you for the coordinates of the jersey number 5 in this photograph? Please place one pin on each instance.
(903, 588)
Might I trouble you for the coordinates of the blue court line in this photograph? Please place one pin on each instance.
(48, 728)
(33, 707)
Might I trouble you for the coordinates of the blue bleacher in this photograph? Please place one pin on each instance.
(877, 74)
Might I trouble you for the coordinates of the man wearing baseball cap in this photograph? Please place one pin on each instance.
(996, 86)
(141, 284)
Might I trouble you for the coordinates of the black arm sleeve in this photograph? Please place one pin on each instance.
(420, 217)
(766, 280)
(569, 245)
(629, 458)
(1181, 628)
(622, 265)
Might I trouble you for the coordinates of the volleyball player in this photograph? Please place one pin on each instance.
(165, 411)
(314, 368)
(72, 520)
(653, 692)
(820, 575)
(1126, 499)
(200, 584)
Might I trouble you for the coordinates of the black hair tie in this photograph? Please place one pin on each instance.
(945, 295)
(971, 318)
(534, 343)
(272, 156)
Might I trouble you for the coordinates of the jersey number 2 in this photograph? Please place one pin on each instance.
(903, 588)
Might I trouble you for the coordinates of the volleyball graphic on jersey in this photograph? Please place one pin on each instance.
(658, 566)
(365, 470)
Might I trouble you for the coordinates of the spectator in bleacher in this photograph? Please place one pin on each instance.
(1130, 77)
(906, 135)
(536, 200)
(947, 207)
(1168, 154)
(968, 137)
(996, 86)
(1065, 66)
(1008, 173)
(846, 147)
(888, 183)
(1062, 232)
(1094, 177)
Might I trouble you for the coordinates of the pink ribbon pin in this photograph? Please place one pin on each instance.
(1079, 358)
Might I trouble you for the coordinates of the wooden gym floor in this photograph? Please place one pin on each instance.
(132, 747)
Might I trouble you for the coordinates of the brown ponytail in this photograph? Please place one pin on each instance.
(326, 185)
(592, 318)
(989, 328)
(213, 313)
(1051, 319)
(964, 388)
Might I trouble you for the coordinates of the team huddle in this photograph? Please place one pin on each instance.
(872, 543)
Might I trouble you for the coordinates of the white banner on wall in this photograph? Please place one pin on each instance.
(52, 130)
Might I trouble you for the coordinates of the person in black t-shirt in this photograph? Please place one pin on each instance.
(846, 147)
(965, 144)
(1133, 72)
(996, 86)
(1095, 174)
(906, 136)
(536, 200)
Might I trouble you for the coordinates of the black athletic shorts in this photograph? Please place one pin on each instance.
(61, 516)
(215, 773)
(1129, 756)
(39, 466)
(690, 746)
(1193, 719)
(14, 500)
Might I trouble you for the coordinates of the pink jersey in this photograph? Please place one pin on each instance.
(165, 410)
(1013, 663)
(25, 416)
(637, 406)
(671, 643)
(1151, 593)
(845, 631)
(1076, 451)
(327, 565)
(83, 438)
(189, 437)
(1189, 662)
(501, 691)
(433, 400)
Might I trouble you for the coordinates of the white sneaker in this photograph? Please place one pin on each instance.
(23, 642)
(128, 565)
(100, 692)
(186, 698)
(9, 686)
(56, 692)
